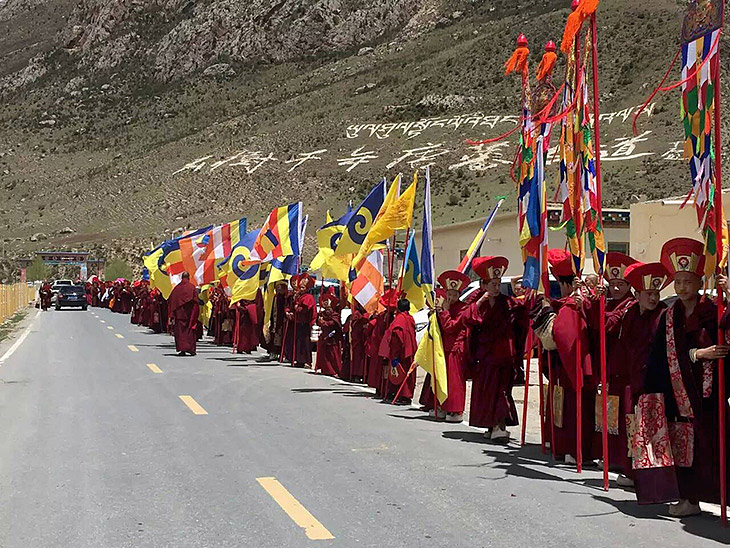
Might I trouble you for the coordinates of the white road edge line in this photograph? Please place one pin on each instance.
(17, 343)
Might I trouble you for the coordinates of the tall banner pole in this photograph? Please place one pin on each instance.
(602, 301)
(719, 229)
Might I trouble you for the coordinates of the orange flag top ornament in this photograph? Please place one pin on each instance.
(518, 61)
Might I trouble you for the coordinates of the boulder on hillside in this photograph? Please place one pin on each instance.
(218, 70)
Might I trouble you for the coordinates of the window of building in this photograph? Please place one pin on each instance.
(620, 247)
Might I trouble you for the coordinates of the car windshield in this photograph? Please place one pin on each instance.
(71, 289)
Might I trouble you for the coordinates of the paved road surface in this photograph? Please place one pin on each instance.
(98, 450)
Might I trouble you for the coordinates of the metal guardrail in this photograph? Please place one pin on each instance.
(13, 297)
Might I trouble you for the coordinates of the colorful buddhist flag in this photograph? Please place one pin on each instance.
(360, 222)
(367, 287)
(411, 278)
(475, 247)
(280, 236)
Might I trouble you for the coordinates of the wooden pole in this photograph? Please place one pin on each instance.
(527, 387)
(551, 402)
(721, 399)
(542, 398)
(602, 301)
(578, 405)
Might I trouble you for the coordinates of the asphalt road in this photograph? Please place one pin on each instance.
(99, 450)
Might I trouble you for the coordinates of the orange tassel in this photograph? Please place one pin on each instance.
(585, 10)
(547, 64)
(518, 61)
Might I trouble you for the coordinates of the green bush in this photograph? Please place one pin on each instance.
(117, 268)
(37, 271)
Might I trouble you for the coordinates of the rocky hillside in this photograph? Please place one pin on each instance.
(125, 120)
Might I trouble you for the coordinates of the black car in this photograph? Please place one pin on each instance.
(71, 295)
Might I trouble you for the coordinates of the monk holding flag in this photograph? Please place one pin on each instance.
(184, 310)
(329, 344)
(301, 313)
(398, 348)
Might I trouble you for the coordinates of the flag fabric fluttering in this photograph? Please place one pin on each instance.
(700, 75)
(360, 221)
(569, 187)
(430, 355)
(592, 223)
(332, 265)
(411, 276)
(475, 247)
(165, 262)
(397, 215)
(236, 272)
(368, 285)
(280, 235)
(427, 260)
(220, 242)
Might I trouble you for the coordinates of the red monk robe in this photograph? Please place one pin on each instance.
(184, 310)
(633, 333)
(301, 313)
(274, 331)
(499, 330)
(398, 348)
(126, 297)
(376, 327)
(677, 439)
(247, 326)
(224, 321)
(357, 323)
(329, 344)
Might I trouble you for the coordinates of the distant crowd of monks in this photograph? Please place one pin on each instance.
(662, 381)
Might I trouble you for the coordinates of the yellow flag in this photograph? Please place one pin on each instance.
(431, 358)
(158, 278)
(397, 216)
(326, 261)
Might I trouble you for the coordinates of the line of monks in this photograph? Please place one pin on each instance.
(662, 383)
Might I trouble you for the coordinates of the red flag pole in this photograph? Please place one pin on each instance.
(527, 387)
(722, 402)
(551, 402)
(578, 405)
(602, 300)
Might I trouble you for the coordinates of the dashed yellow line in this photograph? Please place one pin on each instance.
(102, 321)
(294, 509)
(133, 348)
(109, 327)
(119, 335)
(154, 368)
(194, 406)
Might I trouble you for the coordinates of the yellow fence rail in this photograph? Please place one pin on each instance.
(13, 297)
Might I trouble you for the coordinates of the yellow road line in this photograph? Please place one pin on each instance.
(154, 368)
(193, 405)
(102, 321)
(294, 509)
(133, 348)
(109, 327)
(119, 335)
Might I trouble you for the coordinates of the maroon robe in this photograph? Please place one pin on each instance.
(184, 310)
(358, 322)
(247, 326)
(125, 296)
(629, 335)
(398, 348)
(697, 387)
(455, 332)
(497, 340)
(569, 328)
(224, 321)
(277, 320)
(298, 341)
(376, 327)
(329, 344)
(46, 294)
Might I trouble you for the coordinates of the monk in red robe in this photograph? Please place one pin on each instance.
(561, 325)
(329, 344)
(455, 332)
(357, 324)
(246, 330)
(274, 329)
(499, 326)
(677, 434)
(126, 297)
(631, 332)
(398, 349)
(184, 310)
(224, 320)
(301, 313)
(45, 295)
(378, 323)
